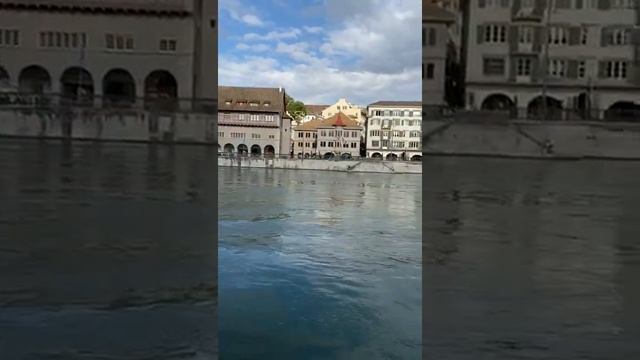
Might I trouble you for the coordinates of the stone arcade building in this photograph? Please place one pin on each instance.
(110, 52)
(253, 121)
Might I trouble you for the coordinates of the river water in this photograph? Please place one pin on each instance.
(319, 265)
(531, 259)
(107, 251)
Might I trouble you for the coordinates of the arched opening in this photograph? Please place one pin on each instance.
(34, 79)
(243, 149)
(269, 150)
(499, 102)
(328, 155)
(545, 108)
(392, 157)
(583, 106)
(161, 91)
(345, 156)
(376, 156)
(623, 111)
(256, 150)
(5, 86)
(416, 158)
(5, 82)
(229, 149)
(306, 155)
(118, 88)
(76, 85)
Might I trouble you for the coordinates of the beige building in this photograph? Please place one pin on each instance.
(394, 129)
(314, 112)
(566, 59)
(435, 39)
(338, 135)
(357, 113)
(111, 52)
(253, 121)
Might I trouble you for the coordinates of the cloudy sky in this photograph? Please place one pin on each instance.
(322, 50)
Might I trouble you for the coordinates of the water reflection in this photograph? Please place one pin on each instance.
(522, 259)
(104, 254)
(329, 271)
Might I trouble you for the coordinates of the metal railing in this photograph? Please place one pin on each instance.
(53, 101)
(551, 115)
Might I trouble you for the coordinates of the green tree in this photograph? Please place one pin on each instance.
(296, 109)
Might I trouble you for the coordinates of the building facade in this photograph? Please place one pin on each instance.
(355, 112)
(563, 59)
(253, 121)
(435, 41)
(314, 112)
(394, 130)
(337, 136)
(115, 52)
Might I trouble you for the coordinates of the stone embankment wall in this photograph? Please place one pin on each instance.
(533, 139)
(369, 166)
(108, 125)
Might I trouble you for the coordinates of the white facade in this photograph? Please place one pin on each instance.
(394, 128)
(586, 54)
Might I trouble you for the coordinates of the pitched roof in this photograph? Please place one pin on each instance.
(434, 13)
(397, 103)
(145, 6)
(339, 119)
(315, 109)
(274, 97)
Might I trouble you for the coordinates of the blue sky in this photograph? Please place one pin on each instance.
(323, 50)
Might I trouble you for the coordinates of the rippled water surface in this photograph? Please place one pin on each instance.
(531, 260)
(319, 265)
(107, 251)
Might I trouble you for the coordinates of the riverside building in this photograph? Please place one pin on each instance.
(394, 130)
(111, 52)
(563, 59)
(253, 121)
(337, 136)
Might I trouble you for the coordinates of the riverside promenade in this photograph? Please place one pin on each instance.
(356, 166)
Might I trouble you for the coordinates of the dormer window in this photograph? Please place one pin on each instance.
(267, 104)
(227, 102)
(241, 102)
(254, 103)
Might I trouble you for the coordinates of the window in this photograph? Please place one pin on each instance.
(374, 133)
(414, 134)
(558, 68)
(255, 136)
(272, 136)
(620, 37)
(375, 143)
(119, 42)
(432, 36)
(385, 143)
(169, 45)
(616, 69)
(323, 144)
(300, 144)
(495, 33)
(354, 134)
(323, 133)
(397, 133)
(558, 35)
(414, 144)
(308, 135)
(354, 145)
(52, 39)
(584, 35)
(9, 37)
(345, 145)
(493, 66)
(430, 71)
(525, 35)
(220, 134)
(398, 144)
(523, 67)
(582, 69)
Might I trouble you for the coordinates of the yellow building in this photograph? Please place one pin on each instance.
(355, 112)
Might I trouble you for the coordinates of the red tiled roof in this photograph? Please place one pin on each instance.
(339, 119)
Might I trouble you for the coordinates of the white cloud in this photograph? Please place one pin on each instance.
(320, 83)
(253, 47)
(313, 29)
(368, 50)
(241, 12)
(273, 35)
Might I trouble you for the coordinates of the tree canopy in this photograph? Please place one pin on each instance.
(296, 108)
